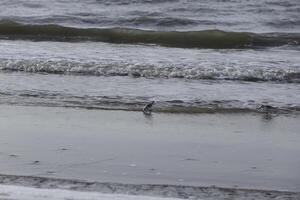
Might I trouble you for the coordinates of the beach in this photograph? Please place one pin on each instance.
(222, 78)
(222, 150)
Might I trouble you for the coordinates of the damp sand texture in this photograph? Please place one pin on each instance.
(226, 150)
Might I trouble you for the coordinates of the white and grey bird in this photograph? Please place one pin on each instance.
(147, 110)
(267, 108)
(268, 111)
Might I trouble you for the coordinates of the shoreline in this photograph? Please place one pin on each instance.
(151, 190)
(164, 149)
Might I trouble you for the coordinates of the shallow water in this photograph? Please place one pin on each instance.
(99, 75)
(126, 93)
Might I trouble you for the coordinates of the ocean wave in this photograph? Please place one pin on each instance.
(253, 73)
(127, 2)
(215, 39)
(133, 103)
(91, 19)
(157, 21)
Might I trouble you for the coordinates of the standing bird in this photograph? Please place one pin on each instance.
(148, 108)
(267, 110)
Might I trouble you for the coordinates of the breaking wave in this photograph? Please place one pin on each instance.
(251, 73)
(215, 39)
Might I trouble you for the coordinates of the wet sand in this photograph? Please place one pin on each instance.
(26, 193)
(27, 187)
(225, 150)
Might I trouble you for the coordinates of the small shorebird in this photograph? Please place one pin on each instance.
(148, 108)
(267, 110)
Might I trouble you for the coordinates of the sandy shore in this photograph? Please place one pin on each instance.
(13, 188)
(26, 193)
(225, 150)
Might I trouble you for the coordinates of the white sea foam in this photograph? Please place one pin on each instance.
(37, 188)
(10, 192)
(99, 59)
(187, 71)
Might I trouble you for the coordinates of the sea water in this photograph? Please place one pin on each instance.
(188, 56)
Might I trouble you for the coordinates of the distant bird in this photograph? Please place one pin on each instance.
(148, 108)
(266, 108)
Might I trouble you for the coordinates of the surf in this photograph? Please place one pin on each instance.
(213, 39)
